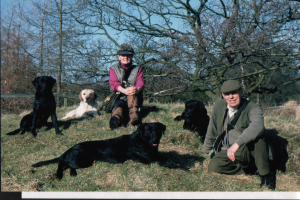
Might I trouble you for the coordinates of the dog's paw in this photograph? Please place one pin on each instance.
(59, 133)
(59, 176)
(178, 118)
(34, 133)
(73, 172)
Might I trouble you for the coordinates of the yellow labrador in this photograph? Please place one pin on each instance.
(87, 107)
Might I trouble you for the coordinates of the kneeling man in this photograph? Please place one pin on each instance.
(242, 145)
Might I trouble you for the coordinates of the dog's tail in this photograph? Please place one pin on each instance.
(46, 162)
(15, 132)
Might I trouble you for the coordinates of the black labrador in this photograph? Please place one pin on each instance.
(141, 146)
(195, 116)
(44, 107)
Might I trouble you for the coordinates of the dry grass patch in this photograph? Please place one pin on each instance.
(290, 109)
(246, 179)
(290, 103)
(288, 182)
(297, 118)
(284, 112)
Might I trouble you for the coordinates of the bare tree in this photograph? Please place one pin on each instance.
(15, 62)
(58, 83)
(16, 65)
(183, 46)
(35, 17)
(202, 43)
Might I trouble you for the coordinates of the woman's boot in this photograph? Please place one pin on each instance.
(116, 118)
(133, 110)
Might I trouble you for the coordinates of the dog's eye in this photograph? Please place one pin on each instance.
(83, 93)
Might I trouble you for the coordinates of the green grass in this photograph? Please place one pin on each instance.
(183, 147)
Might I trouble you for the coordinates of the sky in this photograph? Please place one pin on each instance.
(6, 6)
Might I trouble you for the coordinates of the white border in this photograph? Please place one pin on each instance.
(161, 195)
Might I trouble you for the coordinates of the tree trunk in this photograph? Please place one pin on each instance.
(41, 50)
(58, 83)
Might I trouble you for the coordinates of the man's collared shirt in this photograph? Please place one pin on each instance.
(231, 111)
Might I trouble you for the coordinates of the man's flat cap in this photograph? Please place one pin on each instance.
(125, 49)
(230, 86)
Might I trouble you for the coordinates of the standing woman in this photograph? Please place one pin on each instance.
(126, 78)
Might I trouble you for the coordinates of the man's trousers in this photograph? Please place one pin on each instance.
(254, 153)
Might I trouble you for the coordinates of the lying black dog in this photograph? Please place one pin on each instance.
(44, 107)
(141, 145)
(195, 116)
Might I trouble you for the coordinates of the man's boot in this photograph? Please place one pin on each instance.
(116, 118)
(133, 110)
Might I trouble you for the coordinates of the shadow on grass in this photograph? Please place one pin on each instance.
(144, 112)
(67, 123)
(175, 160)
(49, 125)
(279, 149)
(63, 124)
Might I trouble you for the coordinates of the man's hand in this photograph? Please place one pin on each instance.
(231, 151)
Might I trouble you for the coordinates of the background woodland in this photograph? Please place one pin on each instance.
(187, 48)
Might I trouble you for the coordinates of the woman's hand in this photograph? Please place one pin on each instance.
(131, 90)
(128, 91)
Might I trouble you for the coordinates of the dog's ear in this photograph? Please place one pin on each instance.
(53, 81)
(140, 127)
(204, 111)
(95, 95)
(80, 97)
(161, 127)
(35, 82)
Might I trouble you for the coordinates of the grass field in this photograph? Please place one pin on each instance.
(182, 147)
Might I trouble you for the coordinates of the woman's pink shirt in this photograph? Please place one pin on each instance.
(115, 83)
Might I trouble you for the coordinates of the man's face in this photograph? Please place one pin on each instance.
(233, 99)
(125, 58)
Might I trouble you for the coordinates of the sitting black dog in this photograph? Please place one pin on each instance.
(44, 107)
(195, 116)
(141, 145)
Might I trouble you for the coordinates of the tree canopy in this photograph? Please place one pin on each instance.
(183, 46)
